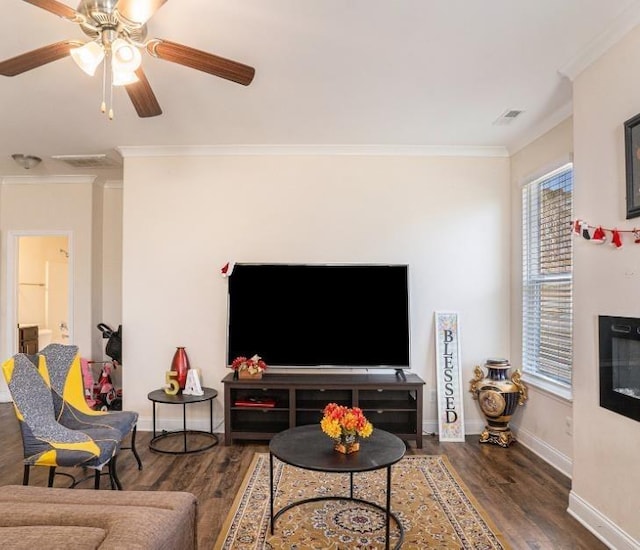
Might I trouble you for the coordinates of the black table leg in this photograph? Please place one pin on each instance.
(184, 425)
(154, 419)
(388, 522)
(211, 416)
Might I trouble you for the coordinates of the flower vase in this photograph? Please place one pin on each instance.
(347, 444)
(498, 397)
(180, 365)
(246, 375)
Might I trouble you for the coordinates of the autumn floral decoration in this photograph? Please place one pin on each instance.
(254, 365)
(345, 425)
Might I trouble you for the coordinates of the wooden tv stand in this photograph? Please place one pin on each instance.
(259, 409)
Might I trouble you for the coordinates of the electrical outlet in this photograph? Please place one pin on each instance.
(432, 396)
(568, 425)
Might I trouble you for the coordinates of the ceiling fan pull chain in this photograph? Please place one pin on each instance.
(107, 74)
(103, 106)
(111, 100)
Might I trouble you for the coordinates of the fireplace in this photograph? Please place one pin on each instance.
(620, 365)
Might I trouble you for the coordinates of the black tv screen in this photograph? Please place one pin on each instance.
(320, 315)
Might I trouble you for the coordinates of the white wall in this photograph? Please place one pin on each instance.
(31, 206)
(606, 450)
(112, 255)
(542, 424)
(97, 285)
(184, 217)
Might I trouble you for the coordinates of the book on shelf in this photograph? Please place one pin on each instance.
(264, 402)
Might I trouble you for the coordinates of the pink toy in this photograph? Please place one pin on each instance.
(101, 396)
(87, 380)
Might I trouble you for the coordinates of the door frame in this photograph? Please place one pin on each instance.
(13, 236)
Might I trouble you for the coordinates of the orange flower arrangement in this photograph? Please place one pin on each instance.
(340, 421)
(253, 365)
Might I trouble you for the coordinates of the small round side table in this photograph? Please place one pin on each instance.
(159, 396)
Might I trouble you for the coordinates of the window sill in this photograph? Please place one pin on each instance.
(559, 391)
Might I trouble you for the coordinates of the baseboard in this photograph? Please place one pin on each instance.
(145, 424)
(549, 454)
(604, 529)
(474, 427)
(546, 452)
(430, 427)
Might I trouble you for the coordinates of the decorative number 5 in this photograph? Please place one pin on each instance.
(172, 387)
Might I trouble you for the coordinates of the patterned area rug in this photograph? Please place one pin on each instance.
(428, 497)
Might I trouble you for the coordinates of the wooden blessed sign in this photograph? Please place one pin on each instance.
(448, 373)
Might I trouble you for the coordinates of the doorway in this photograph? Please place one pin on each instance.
(42, 290)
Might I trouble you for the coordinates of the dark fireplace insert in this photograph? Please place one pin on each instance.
(620, 365)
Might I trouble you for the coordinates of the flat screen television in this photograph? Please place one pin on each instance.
(305, 315)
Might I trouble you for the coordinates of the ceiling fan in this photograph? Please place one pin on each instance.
(117, 30)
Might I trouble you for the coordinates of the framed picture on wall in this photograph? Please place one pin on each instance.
(632, 162)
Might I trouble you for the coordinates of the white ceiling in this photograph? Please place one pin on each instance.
(391, 73)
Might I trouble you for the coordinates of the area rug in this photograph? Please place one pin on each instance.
(428, 497)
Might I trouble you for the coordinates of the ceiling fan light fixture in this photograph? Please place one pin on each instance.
(88, 57)
(117, 31)
(125, 57)
(123, 78)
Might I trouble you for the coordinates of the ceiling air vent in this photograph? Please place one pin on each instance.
(507, 117)
(88, 161)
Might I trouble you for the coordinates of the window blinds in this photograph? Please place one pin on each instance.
(547, 301)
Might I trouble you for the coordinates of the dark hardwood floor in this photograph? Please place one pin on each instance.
(526, 498)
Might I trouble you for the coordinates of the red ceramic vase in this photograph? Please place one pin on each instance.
(180, 365)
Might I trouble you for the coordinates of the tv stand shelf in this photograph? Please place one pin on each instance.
(390, 402)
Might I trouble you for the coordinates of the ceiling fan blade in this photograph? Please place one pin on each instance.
(139, 11)
(58, 8)
(142, 97)
(202, 61)
(36, 58)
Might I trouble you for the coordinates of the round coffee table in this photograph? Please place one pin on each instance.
(159, 396)
(307, 447)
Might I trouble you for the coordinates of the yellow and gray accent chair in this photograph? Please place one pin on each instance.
(45, 441)
(62, 364)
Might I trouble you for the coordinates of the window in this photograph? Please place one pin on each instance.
(547, 304)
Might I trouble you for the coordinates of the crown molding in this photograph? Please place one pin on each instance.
(42, 180)
(314, 150)
(623, 24)
(537, 131)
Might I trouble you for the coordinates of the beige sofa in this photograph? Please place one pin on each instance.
(83, 519)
